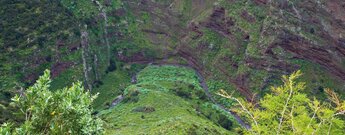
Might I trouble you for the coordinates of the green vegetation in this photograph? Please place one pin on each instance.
(29, 35)
(318, 79)
(171, 115)
(235, 45)
(166, 100)
(287, 110)
(112, 85)
(258, 13)
(32, 39)
(81, 8)
(168, 74)
(65, 111)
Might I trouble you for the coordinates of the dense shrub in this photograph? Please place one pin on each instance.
(185, 93)
(65, 111)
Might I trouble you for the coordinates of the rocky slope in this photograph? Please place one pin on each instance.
(249, 44)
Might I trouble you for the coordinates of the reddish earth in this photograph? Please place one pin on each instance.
(318, 54)
(272, 66)
(245, 15)
(329, 56)
(219, 22)
(59, 67)
(195, 28)
(326, 24)
(135, 58)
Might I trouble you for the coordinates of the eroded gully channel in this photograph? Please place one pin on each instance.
(203, 85)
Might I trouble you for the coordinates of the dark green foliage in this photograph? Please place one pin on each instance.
(132, 96)
(29, 32)
(225, 122)
(6, 113)
(112, 86)
(201, 95)
(112, 66)
(216, 115)
(182, 93)
(97, 84)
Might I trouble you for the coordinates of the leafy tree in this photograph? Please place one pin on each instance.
(289, 111)
(65, 111)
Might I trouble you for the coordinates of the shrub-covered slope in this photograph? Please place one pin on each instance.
(166, 100)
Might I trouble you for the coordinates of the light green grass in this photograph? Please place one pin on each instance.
(180, 106)
(172, 115)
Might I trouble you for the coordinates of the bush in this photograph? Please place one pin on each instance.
(224, 122)
(184, 93)
(201, 94)
(289, 111)
(66, 111)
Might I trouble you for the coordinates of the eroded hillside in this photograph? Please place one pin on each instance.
(242, 46)
(247, 44)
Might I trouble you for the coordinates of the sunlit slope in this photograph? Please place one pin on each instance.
(165, 100)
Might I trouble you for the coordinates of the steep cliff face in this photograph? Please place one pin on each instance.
(248, 44)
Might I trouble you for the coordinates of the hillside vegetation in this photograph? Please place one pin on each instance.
(166, 100)
(172, 56)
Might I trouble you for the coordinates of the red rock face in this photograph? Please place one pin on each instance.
(218, 21)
